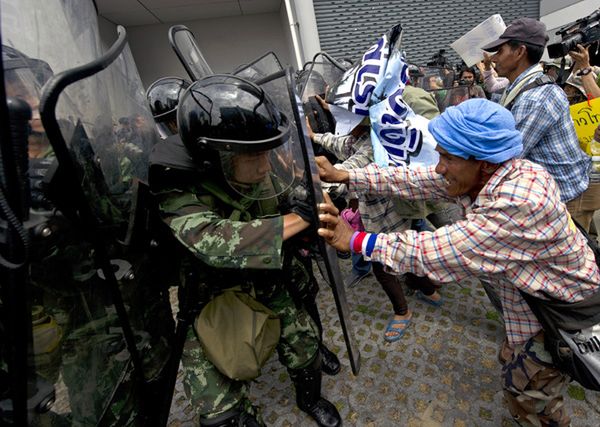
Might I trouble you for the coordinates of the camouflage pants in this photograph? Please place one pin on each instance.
(212, 393)
(533, 387)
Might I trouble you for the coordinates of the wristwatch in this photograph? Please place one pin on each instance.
(584, 71)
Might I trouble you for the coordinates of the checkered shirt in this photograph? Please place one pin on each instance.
(549, 139)
(378, 214)
(516, 234)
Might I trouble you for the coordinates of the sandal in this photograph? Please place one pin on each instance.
(398, 331)
(420, 295)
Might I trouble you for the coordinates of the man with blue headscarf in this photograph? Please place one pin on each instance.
(516, 233)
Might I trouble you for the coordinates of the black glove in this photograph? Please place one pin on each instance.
(38, 169)
(298, 202)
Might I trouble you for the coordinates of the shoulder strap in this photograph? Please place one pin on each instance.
(542, 80)
(566, 315)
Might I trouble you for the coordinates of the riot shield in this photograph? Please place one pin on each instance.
(260, 68)
(320, 74)
(451, 96)
(281, 89)
(183, 42)
(99, 317)
(434, 78)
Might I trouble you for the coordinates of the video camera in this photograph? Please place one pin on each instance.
(439, 59)
(583, 31)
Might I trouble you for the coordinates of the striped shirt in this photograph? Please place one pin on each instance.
(549, 139)
(516, 234)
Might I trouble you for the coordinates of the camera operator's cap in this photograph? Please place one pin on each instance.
(526, 30)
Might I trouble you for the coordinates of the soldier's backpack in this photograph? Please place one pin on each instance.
(238, 333)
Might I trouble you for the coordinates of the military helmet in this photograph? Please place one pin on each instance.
(13, 60)
(229, 120)
(24, 78)
(163, 96)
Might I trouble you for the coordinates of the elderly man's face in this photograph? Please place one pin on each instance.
(463, 176)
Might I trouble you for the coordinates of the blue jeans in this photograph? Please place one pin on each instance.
(359, 265)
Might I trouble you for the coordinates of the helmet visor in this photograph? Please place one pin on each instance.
(21, 83)
(259, 175)
(166, 128)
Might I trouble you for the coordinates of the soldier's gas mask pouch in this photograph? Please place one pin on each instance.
(238, 334)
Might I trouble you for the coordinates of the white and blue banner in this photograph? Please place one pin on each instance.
(374, 88)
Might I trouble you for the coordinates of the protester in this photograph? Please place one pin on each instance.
(491, 82)
(583, 85)
(517, 233)
(540, 108)
(386, 215)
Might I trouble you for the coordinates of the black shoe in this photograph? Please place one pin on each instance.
(330, 364)
(307, 382)
(324, 413)
(235, 417)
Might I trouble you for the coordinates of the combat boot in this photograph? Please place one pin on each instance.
(307, 382)
(232, 418)
(330, 364)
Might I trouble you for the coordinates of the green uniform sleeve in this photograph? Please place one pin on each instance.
(221, 242)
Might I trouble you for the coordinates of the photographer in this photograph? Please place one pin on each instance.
(466, 78)
(584, 71)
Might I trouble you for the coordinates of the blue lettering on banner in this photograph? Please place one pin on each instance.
(393, 131)
(366, 79)
(367, 76)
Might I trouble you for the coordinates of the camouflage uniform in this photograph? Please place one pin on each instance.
(78, 333)
(235, 241)
(533, 387)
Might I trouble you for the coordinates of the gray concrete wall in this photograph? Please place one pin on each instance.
(107, 31)
(225, 44)
(568, 12)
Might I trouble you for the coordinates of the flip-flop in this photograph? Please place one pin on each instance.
(399, 331)
(420, 295)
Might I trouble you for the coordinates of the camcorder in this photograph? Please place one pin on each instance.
(439, 59)
(583, 31)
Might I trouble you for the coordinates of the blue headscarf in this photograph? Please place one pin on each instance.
(478, 128)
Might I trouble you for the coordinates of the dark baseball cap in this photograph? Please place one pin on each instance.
(526, 30)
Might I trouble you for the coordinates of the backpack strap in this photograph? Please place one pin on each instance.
(542, 80)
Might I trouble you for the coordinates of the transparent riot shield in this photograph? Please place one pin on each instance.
(97, 314)
(434, 78)
(261, 67)
(314, 81)
(184, 44)
(451, 97)
(281, 89)
(319, 75)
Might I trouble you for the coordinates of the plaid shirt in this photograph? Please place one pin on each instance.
(378, 214)
(516, 234)
(549, 139)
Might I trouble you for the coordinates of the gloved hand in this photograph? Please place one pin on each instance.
(298, 202)
(38, 168)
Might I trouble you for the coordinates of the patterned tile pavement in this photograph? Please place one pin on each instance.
(443, 372)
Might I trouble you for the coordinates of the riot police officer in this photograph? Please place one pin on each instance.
(163, 96)
(220, 193)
